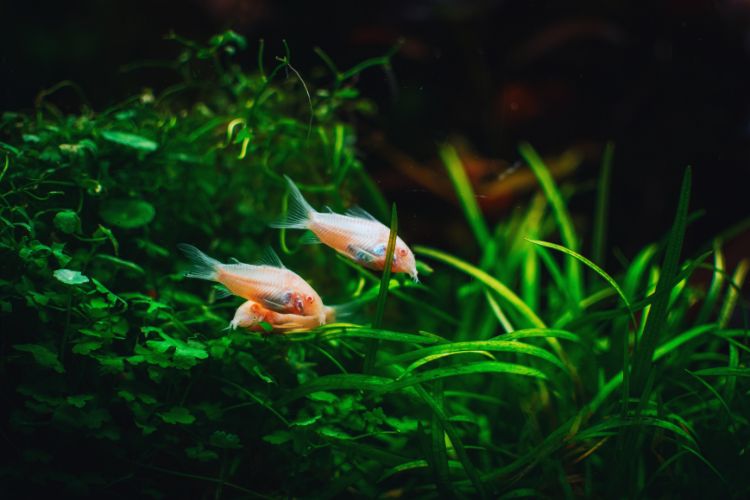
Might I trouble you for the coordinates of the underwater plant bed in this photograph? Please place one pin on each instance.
(533, 371)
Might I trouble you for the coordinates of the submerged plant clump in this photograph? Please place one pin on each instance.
(534, 372)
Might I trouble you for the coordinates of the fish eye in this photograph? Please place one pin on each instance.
(309, 299)
(402, 252)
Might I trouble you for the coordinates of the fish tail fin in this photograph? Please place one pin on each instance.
(341, 311)
(299, 211)
(204, 267)
(330, 314)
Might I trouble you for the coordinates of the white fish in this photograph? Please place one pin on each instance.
(271, 284)
(357, 234)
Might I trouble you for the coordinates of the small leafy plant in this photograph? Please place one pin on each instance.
(532, 372)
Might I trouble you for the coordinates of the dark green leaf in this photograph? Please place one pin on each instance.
(657, 318)
(277, 437)
(42, 355)
(80, 400)
(724, 371)
(201, 454)
(177, 415)
(128, 214)
(225, 440)
(67, 221)
(86, 347)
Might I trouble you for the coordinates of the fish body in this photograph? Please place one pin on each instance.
(356, 234)
(250, 314)
(270, 284)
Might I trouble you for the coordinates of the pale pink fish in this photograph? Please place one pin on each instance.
(357, 234)
(271, 284)
(250, 314)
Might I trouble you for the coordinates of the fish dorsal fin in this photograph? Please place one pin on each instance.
(360, 213)
(328, 209)
(269, 258)
(234, 261)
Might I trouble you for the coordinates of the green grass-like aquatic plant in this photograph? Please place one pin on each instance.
(536, 370)
(383, 288)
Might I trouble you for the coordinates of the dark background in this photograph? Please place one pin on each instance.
(668, 82)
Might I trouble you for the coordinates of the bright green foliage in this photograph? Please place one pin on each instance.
(506, 377)
(70, 277)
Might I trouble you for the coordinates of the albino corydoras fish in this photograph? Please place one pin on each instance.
(356, 234)
(250, 314)
(271, 284)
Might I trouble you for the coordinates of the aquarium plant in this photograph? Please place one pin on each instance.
(519, 366)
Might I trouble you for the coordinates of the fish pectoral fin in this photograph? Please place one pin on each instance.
(283, 301)
(221, 292)
(274, 305)
(309, 238)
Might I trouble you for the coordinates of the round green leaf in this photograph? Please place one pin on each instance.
(278, 437)
(70, 277)
(177, 415)
(42, 355)
(127, 214)
(201, 454)
(226, 440)
(67, 221)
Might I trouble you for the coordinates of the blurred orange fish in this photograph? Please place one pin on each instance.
(250, 314)
(357, 235)
(270, 284)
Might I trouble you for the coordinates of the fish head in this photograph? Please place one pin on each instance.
(296, 303)
(301, 298)
(307, 304)
(404, 261)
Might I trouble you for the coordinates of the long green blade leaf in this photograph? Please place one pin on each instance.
(465, 193)
(352, 381)
(489, 281)
(372, 349)
(456, 440)
(425, 355)
(598, 270)
(657, 319)
(467, 369)
(562, 216)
